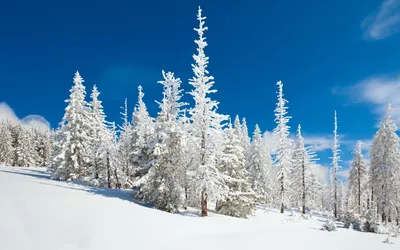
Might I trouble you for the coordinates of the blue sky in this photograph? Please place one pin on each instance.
(339, 55)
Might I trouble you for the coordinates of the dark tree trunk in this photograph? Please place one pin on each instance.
(108, 171)
(204, 211)
(186, 198)
(118, 185)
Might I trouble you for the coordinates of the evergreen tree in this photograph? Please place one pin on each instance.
(245, 136)
(283, 157)
(101, 138)
(335, 168)
(206, 127)
(357, 181)
(304, 185)
(259, 165)
(142, 132)
(164, 187)
(124, 142)
(75, 144)
(385, 169)
(240, 200)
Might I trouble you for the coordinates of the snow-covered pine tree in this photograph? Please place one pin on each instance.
(42, 147)
(75, 144)
(57, 155)
(33, 147)
(283, 158)
(335, 168)
(259, 164)
(385, 168)
(206, 127)
(6, 148)
(357, 181)
(240, 200)
(16, 134)
(111, 174)
(142, 131)
(164, 187)
(25, 148)
(101, 138)
(303, 180)
(124, 142)
(245, 136)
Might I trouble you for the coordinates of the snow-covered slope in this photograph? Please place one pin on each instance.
(39, 213)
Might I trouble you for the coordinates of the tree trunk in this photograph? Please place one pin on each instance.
(108, 171)
(204, 211)
(186, 199)
(282, 208)
(118, 185)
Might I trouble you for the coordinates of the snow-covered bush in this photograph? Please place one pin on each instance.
(330, 225)
(353, 220)
(378, 228)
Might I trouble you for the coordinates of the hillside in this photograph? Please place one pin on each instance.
(38, 213)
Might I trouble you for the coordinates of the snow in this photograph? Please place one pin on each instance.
(39, 213)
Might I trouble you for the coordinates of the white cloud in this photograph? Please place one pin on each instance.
(377, 91)
(36, 121)
(321, 172)
(344, 173)
(319, 143)
(385, 22)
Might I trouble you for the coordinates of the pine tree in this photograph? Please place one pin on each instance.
(283, 154)
(164, 187)
(240, 200)
(245, 139)
(124, 142)
(206, 126)
(75, 144)
(142, 132)
(385, 168)
(304, 185)
(335, 168)
(101, 138)
(357, 181)
(259, 164)
(111, 174)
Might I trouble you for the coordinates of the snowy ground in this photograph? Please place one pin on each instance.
(38, 213)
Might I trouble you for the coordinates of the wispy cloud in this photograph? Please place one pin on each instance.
(377, 91)
(37, 121)
(384, 22)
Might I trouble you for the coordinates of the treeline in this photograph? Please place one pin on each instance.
(24, 146)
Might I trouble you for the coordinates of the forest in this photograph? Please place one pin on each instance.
(194, 156)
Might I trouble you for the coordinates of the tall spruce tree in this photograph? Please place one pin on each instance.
(283, 159)
(259, 165)
(357, 181)
(304, 185)
(385, 168)
(335, 168)
(75, 143)
(206, 128)
(164, 187)
(240, 200)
